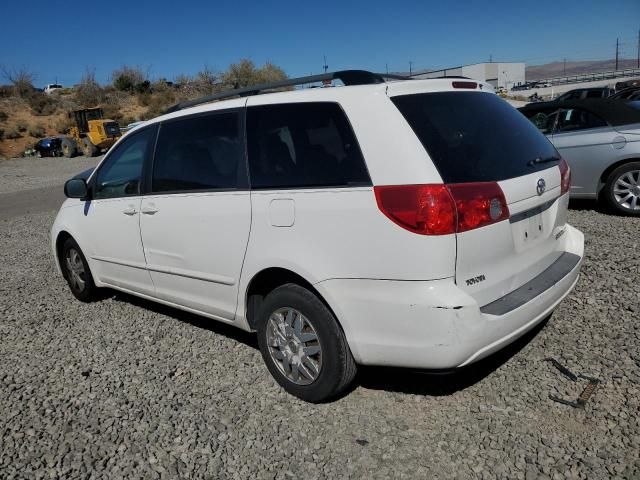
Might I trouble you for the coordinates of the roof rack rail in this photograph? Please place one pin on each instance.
(348, 77)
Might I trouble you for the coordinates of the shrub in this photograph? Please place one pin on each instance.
(63, 124)
(130, 79)
(12, 133)
(1, 134)
(3, 116)
(126, 120)
(157, 103)
(21, 79)
(43, 104)
(144, 99)
(21, 126)
(143, 87)
(89, 93)
(112, 111)
(37, 131)
(245, 73)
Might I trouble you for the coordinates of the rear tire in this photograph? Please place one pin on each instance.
(68, 147)
(88, 148)
(622, 190)
(76, 272)
(302, 344)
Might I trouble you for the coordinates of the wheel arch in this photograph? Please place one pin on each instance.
(62, 237)
(269, 279)
(607, 171)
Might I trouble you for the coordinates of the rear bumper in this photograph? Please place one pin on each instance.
(436, 325)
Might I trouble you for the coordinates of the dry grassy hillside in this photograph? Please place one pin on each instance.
(559, 69)
(27, 114)
(21, 126)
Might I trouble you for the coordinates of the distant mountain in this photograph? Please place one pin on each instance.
(557, 69)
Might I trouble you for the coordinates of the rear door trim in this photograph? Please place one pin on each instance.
(518, 217)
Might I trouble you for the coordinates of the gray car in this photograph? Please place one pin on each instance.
(600, 139)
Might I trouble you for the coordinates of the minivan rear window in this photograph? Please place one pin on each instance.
(475, 137)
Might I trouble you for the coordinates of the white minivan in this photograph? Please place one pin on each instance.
(417, 223)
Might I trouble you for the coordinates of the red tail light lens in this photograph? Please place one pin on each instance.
(478, 204)
(423, 209)
(565, 176)
(442, 209)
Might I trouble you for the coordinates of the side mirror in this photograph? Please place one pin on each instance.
(76, 188)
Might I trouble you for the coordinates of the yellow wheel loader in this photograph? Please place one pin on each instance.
(91, 133)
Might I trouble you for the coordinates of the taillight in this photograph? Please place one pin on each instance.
(565, 176)
(478, 204)
(423, 209)
(443, 209)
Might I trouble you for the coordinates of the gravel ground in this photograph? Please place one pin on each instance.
(123, 388)
(27, 173)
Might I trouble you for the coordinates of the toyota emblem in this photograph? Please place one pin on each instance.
(541, 187)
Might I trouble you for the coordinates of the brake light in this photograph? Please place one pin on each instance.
(423, 209)
(478, 204)
(565, 176)
(464, 84)
(442, 209)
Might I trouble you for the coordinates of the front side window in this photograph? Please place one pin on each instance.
(544, 121)
(301, 145)
(198, 153)
(572, 119)
(121, 174)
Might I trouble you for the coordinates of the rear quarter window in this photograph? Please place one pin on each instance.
(300, 145)
(475, 136)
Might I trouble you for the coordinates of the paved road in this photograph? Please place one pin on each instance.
(30, 201)
(34, 185)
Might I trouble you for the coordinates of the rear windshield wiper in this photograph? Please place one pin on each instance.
(538, 160)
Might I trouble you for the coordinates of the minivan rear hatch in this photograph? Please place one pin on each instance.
(475, 137)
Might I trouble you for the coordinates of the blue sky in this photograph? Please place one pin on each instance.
(172, 37)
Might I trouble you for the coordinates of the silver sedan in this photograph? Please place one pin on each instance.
(600, 139)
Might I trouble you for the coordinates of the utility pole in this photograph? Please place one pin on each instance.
(386, 66)
(564, 68)
(410, 67)
(638, 48)
(490, 58)
(325, 67)
(617, 49)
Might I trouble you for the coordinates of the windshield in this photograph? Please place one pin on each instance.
(94, 114)
(475, 137)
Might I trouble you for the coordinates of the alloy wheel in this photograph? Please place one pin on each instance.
(75, 269)
(294, 346)
(626, 190)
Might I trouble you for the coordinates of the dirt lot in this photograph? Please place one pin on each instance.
(123, 388)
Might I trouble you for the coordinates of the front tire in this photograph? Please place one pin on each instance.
(88, 148)
(303, 346)
(76, 272)
(68, 147)
(622, 190)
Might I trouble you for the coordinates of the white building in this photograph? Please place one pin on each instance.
(498, 74)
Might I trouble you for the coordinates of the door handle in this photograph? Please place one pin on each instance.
(130, 211)
(149, 210)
